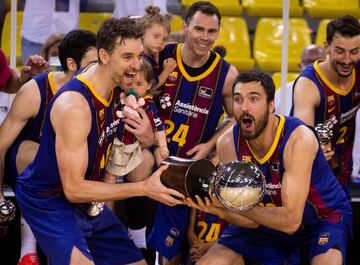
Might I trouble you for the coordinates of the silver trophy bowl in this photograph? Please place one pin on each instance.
(238, 185)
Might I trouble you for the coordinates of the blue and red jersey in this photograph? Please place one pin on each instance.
(326, 199)
(337, 109)
(42, 175)
(191, 106)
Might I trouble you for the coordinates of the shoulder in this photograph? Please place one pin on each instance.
(29, 94)
(302, 137)
(71, 105)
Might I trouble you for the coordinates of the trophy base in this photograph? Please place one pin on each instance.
(189, 177)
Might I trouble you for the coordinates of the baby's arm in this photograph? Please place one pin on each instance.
(168, 66)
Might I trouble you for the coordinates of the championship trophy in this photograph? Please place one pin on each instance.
(324, 133)
(92, 209)
(239, 185)
(7, 212)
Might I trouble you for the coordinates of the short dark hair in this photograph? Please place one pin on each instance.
(113, 28)
(258, 77)
(347, 26)
(74, 45)
(204, 7)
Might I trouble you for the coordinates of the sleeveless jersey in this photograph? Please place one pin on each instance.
(190, 107)
(208, 227)
(152, 112)
(42, 175)
(337, 110)
(47, 89)
(326, 199)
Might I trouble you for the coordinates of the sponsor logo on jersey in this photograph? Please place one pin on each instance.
(174, 231)
(274, 166)
(169, 84)
(205, 92)
(165, 101)
(189, 109)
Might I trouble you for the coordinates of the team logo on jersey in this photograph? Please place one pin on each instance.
(102, 114)
(323, 239)
(169, 241)
(173, 76)
(246, 158)
(205, 92)
(165, 101)
(331, 100)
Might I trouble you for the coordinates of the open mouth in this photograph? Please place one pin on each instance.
(129, 77)
(247, 123)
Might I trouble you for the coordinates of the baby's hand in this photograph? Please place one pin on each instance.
(164, 152)
(169, 64)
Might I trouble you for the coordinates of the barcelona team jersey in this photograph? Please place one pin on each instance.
(152, 112)
(42, 175)
(337, 110)
(208, 227)
(326, 199)
(190, 106)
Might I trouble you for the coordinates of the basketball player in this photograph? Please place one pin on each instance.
(304, 205)
(328, 92)
(20, 133)
(191, 103)
(60, 193)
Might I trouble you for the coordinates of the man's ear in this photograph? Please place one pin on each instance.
(103, 56)
(71, 64)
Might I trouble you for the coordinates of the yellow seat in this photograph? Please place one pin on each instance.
(291, 76)
(234, 37)
(5, 36)
(226, 7)
(321, 32)
(176, 23)
(268, 43)
(271, 8)
(331, 8)
(91, 21)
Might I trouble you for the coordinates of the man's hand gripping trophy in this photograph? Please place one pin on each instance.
(238, 185)
(325, 134)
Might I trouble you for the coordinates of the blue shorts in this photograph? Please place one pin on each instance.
(168, 234)
(59, 226)
(280, 248)
(10, 171)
